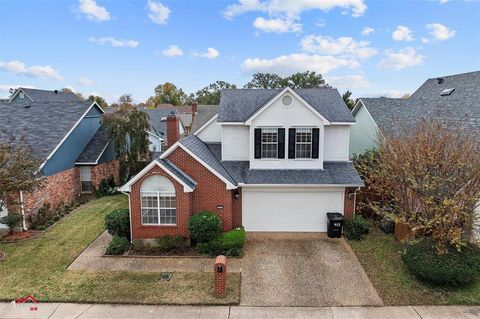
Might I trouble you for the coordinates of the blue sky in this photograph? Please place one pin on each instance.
(113, 47)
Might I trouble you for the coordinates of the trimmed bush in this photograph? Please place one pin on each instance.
(356, 227)
(12, 221)
(117, 246)
(118, 222)
(106, 187)
(204, 227)
(454, 267)
(229, 244)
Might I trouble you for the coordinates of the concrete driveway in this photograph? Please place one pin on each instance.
(303, 269)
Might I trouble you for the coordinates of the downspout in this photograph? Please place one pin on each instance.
(22, 210)
(129, 215)
(355, 200)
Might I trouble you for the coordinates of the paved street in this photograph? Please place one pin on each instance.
(84, 311)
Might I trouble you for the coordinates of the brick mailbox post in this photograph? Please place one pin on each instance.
(220, 270)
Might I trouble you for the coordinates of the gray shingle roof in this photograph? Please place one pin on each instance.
(460, 109)
(94, 148)
(158, 126)
(44, 124)
(200, 149)
(178, 173)
(50, 95)
(203, 115)
(237, 105)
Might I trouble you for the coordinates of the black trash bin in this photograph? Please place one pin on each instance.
(335, 224)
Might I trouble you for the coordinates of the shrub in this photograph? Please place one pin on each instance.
(456, 267)
(204, 227)
(356, 227)
(118, 222)
(387, 224)
(107, 186)
(229, 244)
(12, 221)
(117, 246)
(167, 244)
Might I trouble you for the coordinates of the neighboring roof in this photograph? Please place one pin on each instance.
(44, 124)
(178, 173)
(186, 119)
(95, 148)
(180, 108)
(157, 126)
(466, 85)
(203, 115)
(200, 149)
(459, 109)
(50, 95)
(237, 105)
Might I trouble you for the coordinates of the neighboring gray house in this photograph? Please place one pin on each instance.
(204, 114)
(453, 98)
(157, 135)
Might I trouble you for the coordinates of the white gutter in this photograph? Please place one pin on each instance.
(22, 210)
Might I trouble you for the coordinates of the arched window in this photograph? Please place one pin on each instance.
(158, 201)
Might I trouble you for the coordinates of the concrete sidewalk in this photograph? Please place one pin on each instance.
(84, 311)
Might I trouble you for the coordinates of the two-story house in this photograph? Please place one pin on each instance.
(270, 160)
(66, 136)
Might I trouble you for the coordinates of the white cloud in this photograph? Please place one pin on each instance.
(159, 13)
(118, 43)
(402, 33)
(172, 51)
(343, 46)
(425, 40)
(389, 93)
(292, 8)
(443, 1)
(367, 31)
(401, 59)
(93, 11)
(37, 71)
(277, 25)
(349, 82)
(440, 32)
(288, 64)
(211, 53)
(83, 81)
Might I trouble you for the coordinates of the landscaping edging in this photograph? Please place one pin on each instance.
(143, 256)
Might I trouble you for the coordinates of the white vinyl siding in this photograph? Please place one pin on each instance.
(289, 209)
(86, 178)
(235, 143)
(337, 142)
(211, 133)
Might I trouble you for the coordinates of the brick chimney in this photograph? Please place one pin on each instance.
(173, 127)
(194, 108)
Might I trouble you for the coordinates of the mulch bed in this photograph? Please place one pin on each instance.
(185, 252)
(20, 235)
(2, 255)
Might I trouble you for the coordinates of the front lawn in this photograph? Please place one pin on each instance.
(380, 256)
(39, 267)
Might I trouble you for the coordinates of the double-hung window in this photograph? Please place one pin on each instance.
(269, 143)
(303, 143)
(158, 200)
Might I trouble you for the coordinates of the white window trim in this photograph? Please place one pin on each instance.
(269, 143)
(304, 143)
(159, 194)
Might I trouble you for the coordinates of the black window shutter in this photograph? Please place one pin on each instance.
(291, 143)
(258, 143)
(281, 143)
(315, 142)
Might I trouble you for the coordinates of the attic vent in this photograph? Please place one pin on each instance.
(22, 95)
(447, 92)
(163, 119)
(287, 100)
(439, 80)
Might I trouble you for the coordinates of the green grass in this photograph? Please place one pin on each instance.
(39, 267)
(380, 256)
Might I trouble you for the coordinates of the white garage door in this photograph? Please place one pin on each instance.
(289, 209)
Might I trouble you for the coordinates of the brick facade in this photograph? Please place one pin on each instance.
(210, 194)
(349, 206)
(105, 170)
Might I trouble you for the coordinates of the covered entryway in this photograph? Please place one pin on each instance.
(289, 209)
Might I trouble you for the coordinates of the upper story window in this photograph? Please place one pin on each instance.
(303, 143)
(269, 143)
(158, 201)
